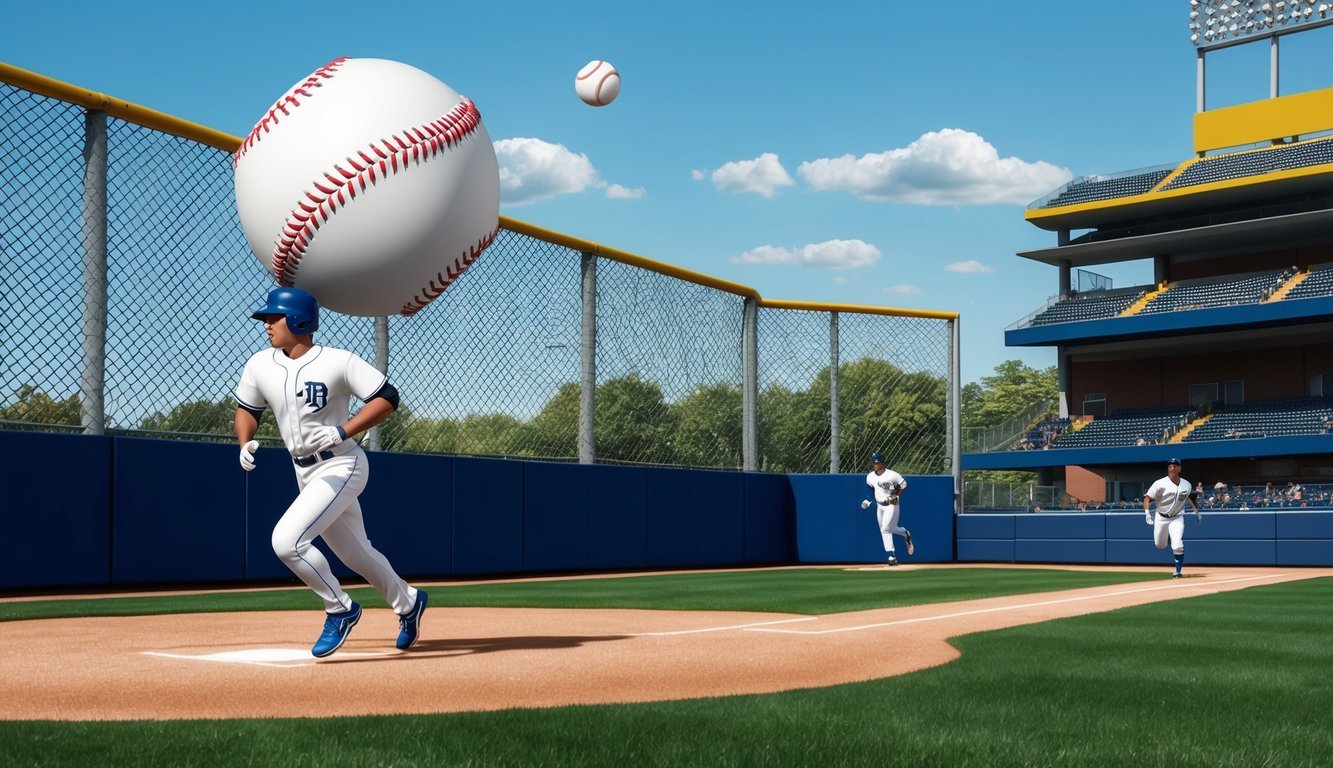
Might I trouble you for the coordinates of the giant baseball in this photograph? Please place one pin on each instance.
(370, 184)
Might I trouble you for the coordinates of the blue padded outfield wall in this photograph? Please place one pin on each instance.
(1280, 537)
(101, 511)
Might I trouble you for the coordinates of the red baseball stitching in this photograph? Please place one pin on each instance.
(605, 77)
(381, 159)
(432, 290)
(306, 88)
(596, 65)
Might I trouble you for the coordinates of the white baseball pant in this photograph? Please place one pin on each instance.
(887, 515)
(1172, 528)
(327, 506)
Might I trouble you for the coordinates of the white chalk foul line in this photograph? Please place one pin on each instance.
(286, 658)
(721, 629)
(1173, 585)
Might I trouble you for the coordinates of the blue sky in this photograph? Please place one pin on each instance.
(874, 153)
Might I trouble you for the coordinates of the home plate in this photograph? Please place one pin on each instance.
(266, 657)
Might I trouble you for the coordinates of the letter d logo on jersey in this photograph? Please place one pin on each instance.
(316, 395)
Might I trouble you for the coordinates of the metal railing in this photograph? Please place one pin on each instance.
(1006, 436)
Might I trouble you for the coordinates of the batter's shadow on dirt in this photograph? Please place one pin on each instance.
(468, 646)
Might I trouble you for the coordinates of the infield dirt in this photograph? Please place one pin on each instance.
(232, 665)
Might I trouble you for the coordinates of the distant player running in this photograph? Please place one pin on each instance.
(308, 387)
(887, 487)
(1170, 493)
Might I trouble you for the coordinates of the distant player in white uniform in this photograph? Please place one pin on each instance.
(1170, 493)
(308, 387)
(887, 486)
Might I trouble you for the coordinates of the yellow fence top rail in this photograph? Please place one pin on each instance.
(148, 118)
(160, 121)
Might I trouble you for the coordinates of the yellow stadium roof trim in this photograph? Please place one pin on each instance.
(1070, 215)
(160, 121)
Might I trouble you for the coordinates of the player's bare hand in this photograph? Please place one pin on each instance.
(327, 437)
(865, 504)
(248, 455)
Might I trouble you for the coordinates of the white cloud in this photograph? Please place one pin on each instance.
(947, 167)
(830, 254)
(841, 280)
(969, 267)
(762, 175)
(617, 192)
(902, 289)
(532, 170)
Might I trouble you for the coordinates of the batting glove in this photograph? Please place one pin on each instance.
(327, 437)
(865, 504)
(1147, 518)
(248, 455)
(1198, 516)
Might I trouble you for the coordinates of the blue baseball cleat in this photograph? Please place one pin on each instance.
(410, 625)
(337, 626)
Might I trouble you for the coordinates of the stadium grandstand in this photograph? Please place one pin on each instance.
(1224, 360)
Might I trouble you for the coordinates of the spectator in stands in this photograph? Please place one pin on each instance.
(1268, 490)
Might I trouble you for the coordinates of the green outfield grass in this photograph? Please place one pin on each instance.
(1234, 679)
(812, 591)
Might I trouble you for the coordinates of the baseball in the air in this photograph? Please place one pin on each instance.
(370, 184)
(598, 83)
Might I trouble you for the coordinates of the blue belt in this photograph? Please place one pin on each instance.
(312, 459)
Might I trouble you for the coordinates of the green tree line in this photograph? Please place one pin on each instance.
(883, 409)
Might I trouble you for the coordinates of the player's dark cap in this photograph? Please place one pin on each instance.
(300, 308)
(877, 458)
(1169, 462)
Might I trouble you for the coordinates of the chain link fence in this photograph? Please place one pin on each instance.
(1009, 497)
(144, 331)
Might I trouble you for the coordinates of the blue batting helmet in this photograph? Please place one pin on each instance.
(300, 308)
(877, 458)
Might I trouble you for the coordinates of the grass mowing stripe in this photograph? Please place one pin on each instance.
(810, 591)
(1231, 679)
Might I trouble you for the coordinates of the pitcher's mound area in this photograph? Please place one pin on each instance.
(234, 665)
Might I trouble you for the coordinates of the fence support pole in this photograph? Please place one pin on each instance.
(92, 384)
(588, 359)
(750, 386)
(382, 363)
(835, 410)
(954, 413)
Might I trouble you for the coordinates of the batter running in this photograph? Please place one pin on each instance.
(309, 386)
(1170, 493)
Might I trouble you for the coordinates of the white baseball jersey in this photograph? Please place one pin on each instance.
(1170, 497)
(887, 486)
(310, 392)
